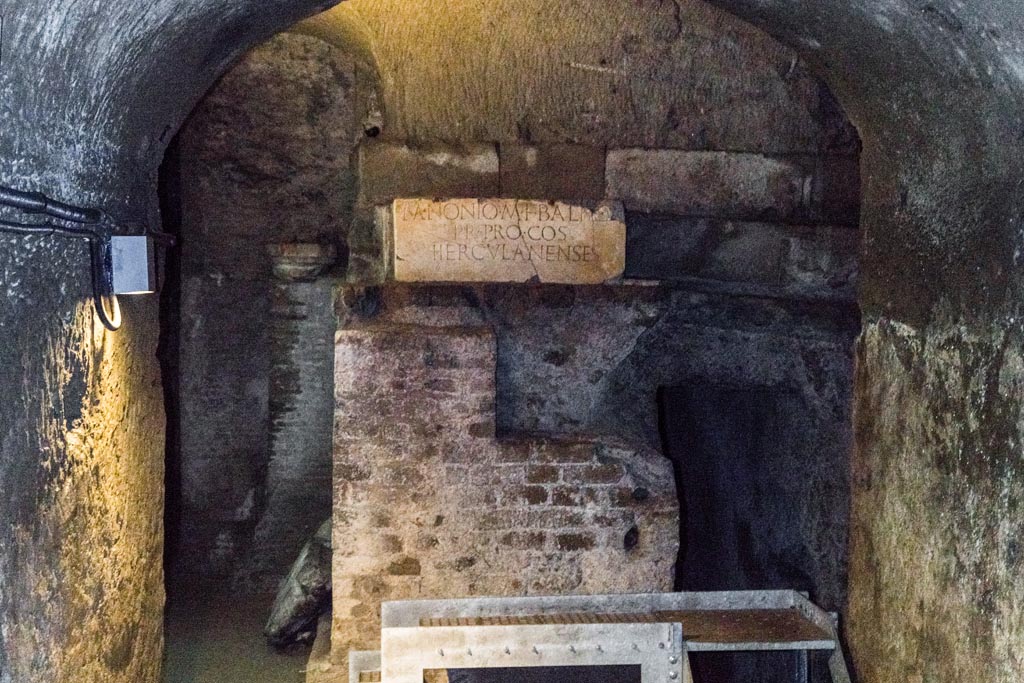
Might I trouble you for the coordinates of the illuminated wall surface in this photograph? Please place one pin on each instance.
(82, 590)
(619, 74)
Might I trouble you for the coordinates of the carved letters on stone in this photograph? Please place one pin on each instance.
(508, 240)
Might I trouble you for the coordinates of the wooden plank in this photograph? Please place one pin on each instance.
(725, 627)
(746, 626)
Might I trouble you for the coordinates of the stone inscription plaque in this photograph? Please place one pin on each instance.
(508, 240)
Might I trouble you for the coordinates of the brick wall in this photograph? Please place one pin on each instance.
(593, 360)
(428, 503)
(295, 496)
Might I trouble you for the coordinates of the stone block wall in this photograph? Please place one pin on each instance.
(730, 147)
(428, 503)
(782, 226)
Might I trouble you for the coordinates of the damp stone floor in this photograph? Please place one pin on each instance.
(215, 637)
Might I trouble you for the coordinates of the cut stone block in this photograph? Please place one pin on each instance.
(389, 170)
(723, 184)
(567, 171)
(508, 240)
(782, 260)
(672, 247)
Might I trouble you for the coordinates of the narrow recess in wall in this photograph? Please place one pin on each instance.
(168, 348)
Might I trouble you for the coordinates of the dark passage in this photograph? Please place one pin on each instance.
(754, 507)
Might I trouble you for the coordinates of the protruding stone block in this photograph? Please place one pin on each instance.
(389, 170)
(775, 259)
(568, 171)
(722, 184)
(673, 247)
(508, 240)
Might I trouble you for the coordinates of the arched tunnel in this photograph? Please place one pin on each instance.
(883, 480)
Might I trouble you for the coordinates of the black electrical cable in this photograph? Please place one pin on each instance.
(36, 202)
(99, 254)
(101, 265)
(91, 224)
(46, 228)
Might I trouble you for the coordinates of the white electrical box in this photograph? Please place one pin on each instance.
(133, 264)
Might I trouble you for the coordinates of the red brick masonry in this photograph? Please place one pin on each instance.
(428, 503)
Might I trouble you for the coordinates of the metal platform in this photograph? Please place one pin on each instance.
(363, 667)
(655, 632)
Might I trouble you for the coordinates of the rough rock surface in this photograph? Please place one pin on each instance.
(616, 73)
(938, 527)
(304, 594)
(81, 434)
(265, 157)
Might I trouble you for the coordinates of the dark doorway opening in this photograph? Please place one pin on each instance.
(754, 511)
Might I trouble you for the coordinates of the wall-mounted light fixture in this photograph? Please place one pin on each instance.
(121, 263)
(133, 264)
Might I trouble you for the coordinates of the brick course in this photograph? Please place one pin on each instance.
(428, 503)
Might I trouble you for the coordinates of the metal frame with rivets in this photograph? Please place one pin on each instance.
(657, 649)
(493, 633)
